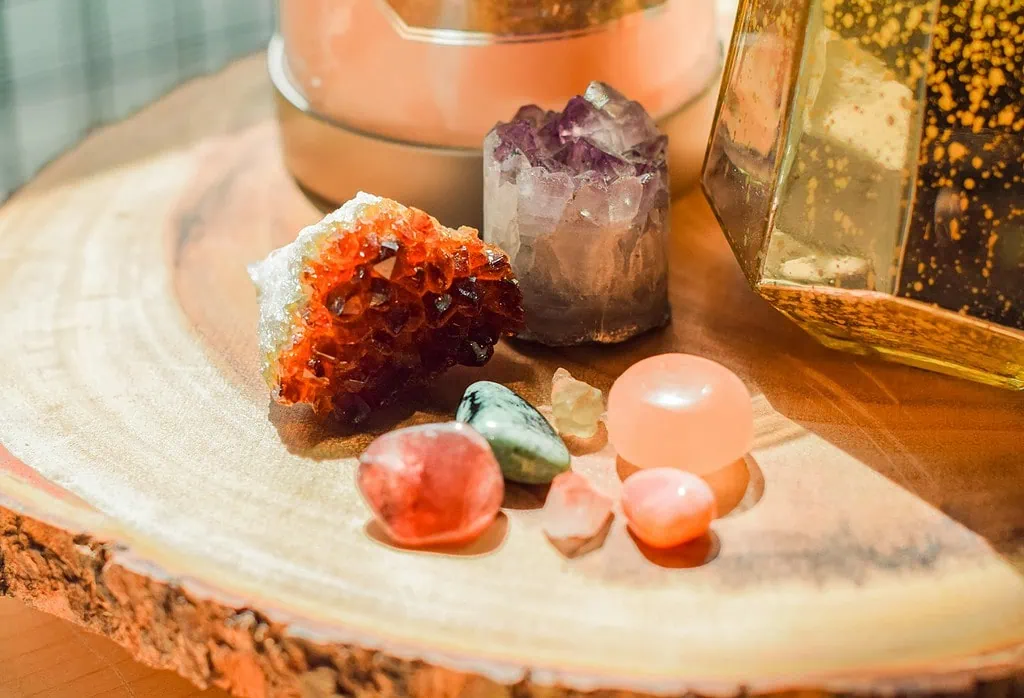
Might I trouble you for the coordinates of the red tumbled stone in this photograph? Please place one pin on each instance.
(431, 484)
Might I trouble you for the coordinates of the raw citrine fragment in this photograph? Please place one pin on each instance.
(575, 405)
(375, 299)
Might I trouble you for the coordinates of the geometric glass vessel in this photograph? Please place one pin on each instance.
(867, 166)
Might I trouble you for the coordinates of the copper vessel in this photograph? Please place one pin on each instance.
(396, 96)
(866, 165)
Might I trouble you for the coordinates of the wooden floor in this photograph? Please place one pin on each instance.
(43, 657)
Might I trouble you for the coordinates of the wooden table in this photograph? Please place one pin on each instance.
(45, 657)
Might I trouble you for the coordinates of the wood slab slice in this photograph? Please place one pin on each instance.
(153, 493)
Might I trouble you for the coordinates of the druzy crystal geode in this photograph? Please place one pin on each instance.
(375, 299)
(579, 200)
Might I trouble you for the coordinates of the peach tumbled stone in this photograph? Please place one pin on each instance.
(666, 507)
(431, 484)
(680, 411)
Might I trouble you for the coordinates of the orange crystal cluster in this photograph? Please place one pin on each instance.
(392, 303)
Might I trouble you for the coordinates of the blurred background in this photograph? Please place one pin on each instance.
(67, 66)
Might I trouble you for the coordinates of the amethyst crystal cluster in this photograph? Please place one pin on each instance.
(579, 200)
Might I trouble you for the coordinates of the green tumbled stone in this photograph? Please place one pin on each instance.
(527, 448)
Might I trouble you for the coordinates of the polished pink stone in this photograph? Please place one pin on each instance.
(575, 514)
(430, 484)
(666, 507)
(680, 411)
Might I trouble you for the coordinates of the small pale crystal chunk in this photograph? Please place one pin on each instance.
(575, 514)
(576, 406)
(579, 200)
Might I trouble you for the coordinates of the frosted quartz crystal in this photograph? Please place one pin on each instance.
(575, 514)
(579, 200)
(576, 406)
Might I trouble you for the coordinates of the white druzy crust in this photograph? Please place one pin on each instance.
(278, 288)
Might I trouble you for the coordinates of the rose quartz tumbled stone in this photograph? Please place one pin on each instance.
(680, 411)
(666, 507)
(430, 484)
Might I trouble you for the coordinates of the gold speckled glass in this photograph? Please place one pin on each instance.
(866, 164)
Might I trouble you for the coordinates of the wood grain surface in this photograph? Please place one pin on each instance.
(150, 491)
(45, 657)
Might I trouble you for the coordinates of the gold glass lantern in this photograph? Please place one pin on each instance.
(866, 165)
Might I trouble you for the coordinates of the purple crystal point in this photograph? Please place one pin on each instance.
(583, 156)
(637, 127)
(532, 114)
(579, 199)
